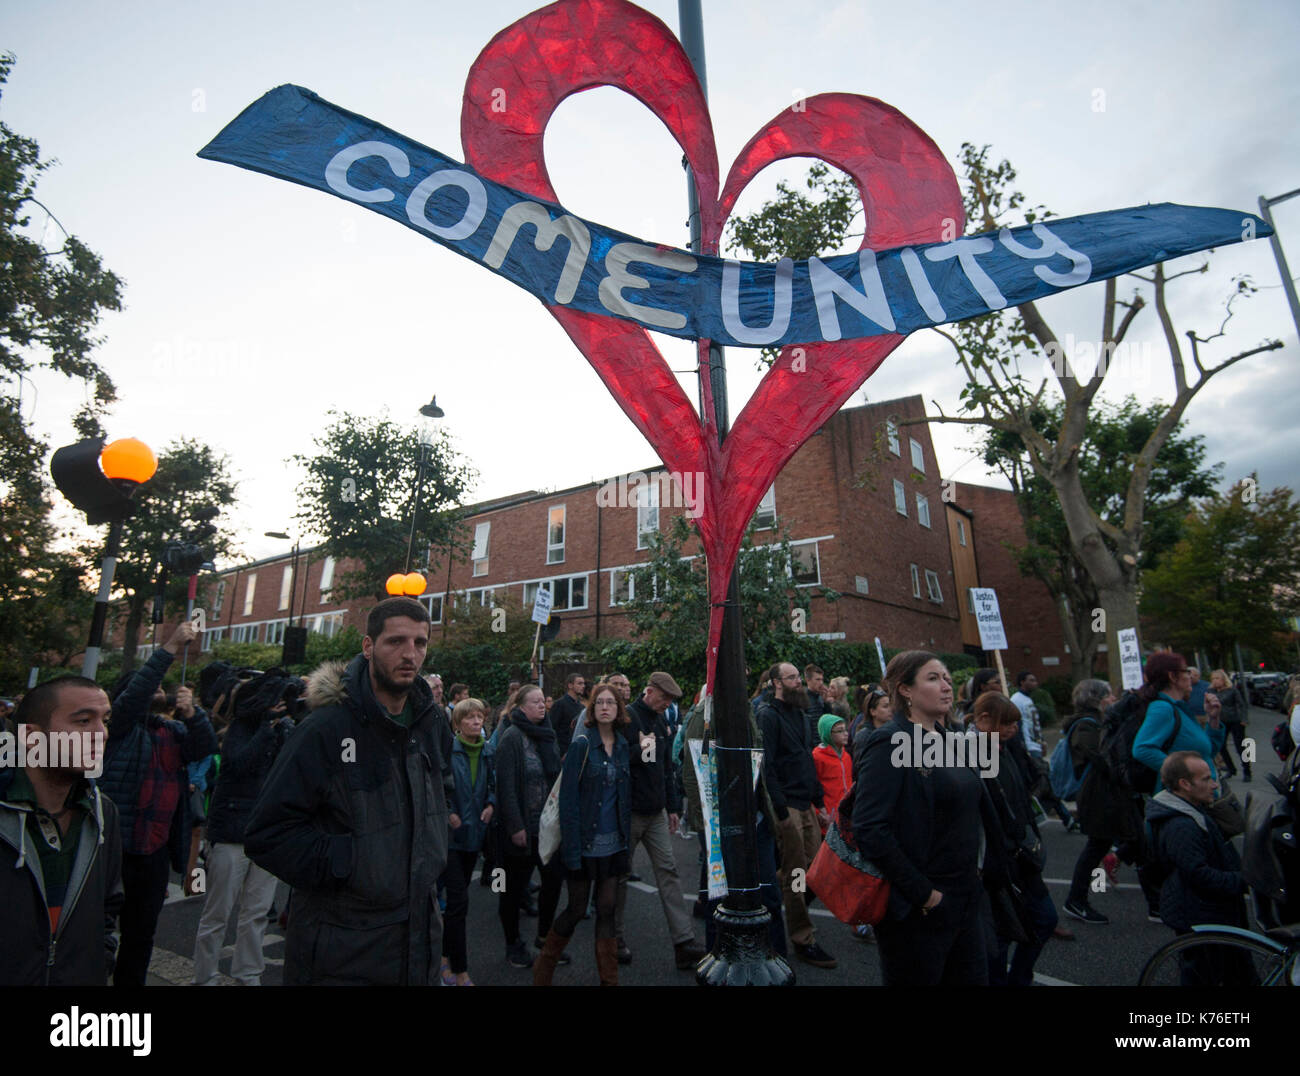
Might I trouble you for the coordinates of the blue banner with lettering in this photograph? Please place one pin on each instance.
(293, 134)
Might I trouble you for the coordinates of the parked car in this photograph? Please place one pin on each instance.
(1267, 689)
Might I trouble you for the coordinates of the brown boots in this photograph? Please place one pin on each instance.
(545, 961)
(607, 961)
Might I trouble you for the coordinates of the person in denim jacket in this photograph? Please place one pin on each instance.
(595, 825)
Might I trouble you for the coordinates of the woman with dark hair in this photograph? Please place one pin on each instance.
(1169, 681)
(527, 766)
(595, 825)
(981, 680)
(921, 827)
(997, 716)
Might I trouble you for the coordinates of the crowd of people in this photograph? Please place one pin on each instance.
(380, 798)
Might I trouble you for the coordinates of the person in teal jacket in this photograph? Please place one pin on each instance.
(1168, 682)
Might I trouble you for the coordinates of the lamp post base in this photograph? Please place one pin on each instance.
(743, 955)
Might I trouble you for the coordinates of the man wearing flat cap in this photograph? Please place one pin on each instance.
(653, 793)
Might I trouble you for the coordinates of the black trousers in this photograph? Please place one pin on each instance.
(519, 868)
(579, 893)
(1236, 733)
(947, 947)
(460, 868)
(144, 889)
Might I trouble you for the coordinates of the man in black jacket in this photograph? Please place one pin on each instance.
(566, 709)
(60, 849)
(354, 815)
(797, 795)
(1205, 882)
(653, 790)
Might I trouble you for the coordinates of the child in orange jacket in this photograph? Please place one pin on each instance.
(834, 763)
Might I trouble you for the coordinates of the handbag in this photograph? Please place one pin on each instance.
(1011, 919)
(844, 880)
(548, 830)
(197, 813)
(1227, 814)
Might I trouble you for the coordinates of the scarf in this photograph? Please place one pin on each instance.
(473, 750)
(543, 737)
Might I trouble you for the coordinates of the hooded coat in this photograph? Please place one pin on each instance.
(81, 950)
(353, 816)
(1205, 881)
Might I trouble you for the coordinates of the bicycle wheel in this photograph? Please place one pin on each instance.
(1223, 959)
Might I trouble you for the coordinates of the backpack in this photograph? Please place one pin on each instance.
(1123, 722)
(1065, 783)
(1282, 742)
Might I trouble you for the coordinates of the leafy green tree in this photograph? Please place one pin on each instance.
(50, 303)
(1115, 436)
(993, 351)
(669, 604)
(191, 476)
(1234, 578)
(359, 493)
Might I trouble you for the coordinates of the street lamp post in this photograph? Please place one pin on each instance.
(1288, 284)
(742, 953)
(430, 411)
(100, 480)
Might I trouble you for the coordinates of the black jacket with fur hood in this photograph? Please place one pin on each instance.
(353, 816)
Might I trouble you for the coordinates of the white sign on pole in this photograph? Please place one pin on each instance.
(992, 635)
(1130, 658)
(880, 653)
(542, 606)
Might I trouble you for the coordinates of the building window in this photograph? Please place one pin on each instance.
(961, 533)
(647, 513)
(805, 567)
(861, 584)
(214, 635)
(766, 515)
(275, 631)
(568, 592)
(891, 428)
(250, 588)
(220, 598)
(932, 585)
(900, 498)
(433, 602)
(555, 535)
(918, 455)
(482, 532)
(923, 509)
(916, 582)
(622, 586)
(970, 599)
(286, 586)
(326, 578)
(477, 596)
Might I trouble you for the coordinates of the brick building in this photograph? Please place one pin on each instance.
(868, 514)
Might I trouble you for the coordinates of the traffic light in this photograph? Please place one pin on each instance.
(76, 471)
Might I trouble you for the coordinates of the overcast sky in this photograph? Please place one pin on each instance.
(254, 306)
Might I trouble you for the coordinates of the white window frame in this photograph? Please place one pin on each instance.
(555, 550)
(435, 615)
(765, 513)
(891, 431)
(900, 498)
(219, 599)
(559, 604)
(286, 587)
(211, 637)
(275, 631)
(479, 555)
(970, 600)
(918, 455)
(326, 578)
(647, 513)
(933, 591)
(961, 536)
(817, 561)
(250, 591)
(923, 510)
(916, 581)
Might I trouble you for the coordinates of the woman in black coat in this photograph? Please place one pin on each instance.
(527, 765)
(921, 826)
